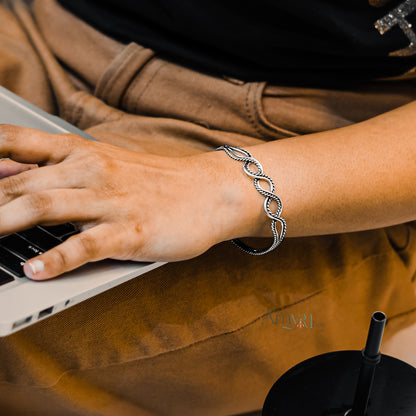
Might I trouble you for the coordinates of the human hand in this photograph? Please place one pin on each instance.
(129, 205)
(10, 167)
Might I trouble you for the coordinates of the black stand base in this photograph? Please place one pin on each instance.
(325, 386)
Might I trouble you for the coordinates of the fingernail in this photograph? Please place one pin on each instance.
(36, 266)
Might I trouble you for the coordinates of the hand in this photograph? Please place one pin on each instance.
(129, 205)
(10, 167)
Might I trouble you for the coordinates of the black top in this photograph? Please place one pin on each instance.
(299, 42)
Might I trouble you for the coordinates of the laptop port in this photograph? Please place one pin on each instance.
(21, 322)
(45, 312)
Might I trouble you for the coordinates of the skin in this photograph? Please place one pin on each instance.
(151, 208)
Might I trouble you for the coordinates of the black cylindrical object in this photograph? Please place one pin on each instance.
(375, 335)
(370, 358)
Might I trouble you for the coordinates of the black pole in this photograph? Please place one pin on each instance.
(370, 358)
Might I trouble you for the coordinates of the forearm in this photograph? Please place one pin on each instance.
(151, 208)
(354, 178)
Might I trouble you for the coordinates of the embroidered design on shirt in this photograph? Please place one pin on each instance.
(398, 17)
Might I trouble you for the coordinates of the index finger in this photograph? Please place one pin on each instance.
(27, 145)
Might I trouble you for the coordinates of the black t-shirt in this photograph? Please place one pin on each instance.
(298, 42)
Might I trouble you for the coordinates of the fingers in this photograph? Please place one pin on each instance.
(27, 145)
(9, 167)
(41, 179)
(55, 206)
(93, 244)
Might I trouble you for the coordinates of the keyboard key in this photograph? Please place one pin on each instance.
(60, 230)
(5, 277)
(40, 238)
(11, 262)
(20, 246)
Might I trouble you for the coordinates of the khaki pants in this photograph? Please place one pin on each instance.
(208, 336)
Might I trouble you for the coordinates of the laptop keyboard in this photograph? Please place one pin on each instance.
(16, 248)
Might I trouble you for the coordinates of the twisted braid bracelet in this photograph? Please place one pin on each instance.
(244, 156)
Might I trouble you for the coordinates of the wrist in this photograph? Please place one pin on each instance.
(265, 186)
(237, 208)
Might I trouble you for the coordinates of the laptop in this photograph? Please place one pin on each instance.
(24, 302)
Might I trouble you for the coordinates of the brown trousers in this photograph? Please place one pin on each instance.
(207, 336)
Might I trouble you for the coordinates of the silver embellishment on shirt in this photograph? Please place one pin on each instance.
(398, 17)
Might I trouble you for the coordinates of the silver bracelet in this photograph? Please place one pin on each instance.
(244, 156)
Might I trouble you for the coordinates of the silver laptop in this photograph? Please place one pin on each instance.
(24, 302)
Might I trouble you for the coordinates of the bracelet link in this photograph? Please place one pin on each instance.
(242, 155)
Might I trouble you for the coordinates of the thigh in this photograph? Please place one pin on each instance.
(211, 335)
